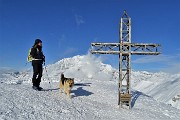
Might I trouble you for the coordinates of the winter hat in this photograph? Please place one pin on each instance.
(37, 41)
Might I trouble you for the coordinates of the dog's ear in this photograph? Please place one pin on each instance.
(73, 80)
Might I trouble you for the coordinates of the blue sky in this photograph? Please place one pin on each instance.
(67, 27)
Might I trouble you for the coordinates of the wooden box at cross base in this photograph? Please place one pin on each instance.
(125, 99)
(125, 49)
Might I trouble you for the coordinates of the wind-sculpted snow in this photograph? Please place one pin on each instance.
(86, 66)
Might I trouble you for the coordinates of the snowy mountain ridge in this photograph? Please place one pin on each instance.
(86, 66)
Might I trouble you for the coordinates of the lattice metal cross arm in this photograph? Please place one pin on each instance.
(104, 48)
(136, 48)
(145, 49)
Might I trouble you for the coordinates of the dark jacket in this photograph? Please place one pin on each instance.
(36, 53)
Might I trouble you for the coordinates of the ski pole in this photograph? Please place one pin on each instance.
(47, 76)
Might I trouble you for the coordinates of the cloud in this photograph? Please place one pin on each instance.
(170, 63)
(151, 59)
(79, 19)
(173, 68)
(178, 49)
(70, 51)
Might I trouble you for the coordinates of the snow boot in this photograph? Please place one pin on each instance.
(35, 88)
(40, 88)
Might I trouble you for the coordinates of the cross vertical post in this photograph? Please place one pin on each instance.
(124, 60)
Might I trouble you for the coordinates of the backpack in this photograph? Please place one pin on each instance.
(29, 58)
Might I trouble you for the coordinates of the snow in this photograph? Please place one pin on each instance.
(94, 96)
(161, 86)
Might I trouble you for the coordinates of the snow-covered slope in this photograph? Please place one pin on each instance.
(163, 87)
(94, 95)
(95, 102)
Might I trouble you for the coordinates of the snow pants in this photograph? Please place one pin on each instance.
(37, 72)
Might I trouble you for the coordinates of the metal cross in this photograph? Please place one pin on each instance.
(125, 49)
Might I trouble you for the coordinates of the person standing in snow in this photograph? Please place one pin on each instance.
(37, 61)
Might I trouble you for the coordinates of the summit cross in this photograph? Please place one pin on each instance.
(125, 49)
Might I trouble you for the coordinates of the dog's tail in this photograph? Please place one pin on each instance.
(62, 78)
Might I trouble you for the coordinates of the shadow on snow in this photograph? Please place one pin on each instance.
(135, 96)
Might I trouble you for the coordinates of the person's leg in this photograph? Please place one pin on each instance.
(40, 71)
(35, 73)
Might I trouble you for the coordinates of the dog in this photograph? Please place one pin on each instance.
(66, 84)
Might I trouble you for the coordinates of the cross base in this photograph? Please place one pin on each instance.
(125, 99)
